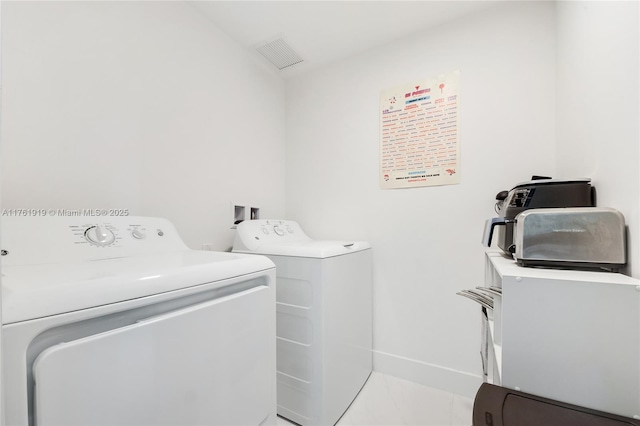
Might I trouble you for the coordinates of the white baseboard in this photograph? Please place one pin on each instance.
(435, 376)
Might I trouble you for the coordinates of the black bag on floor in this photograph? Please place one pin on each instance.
(498, 406)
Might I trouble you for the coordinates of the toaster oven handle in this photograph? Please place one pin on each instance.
(487, 235)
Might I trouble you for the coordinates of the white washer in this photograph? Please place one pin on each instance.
(324, 318)
(114, 321)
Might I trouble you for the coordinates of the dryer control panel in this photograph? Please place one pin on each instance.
(28, 240)
(108, 233)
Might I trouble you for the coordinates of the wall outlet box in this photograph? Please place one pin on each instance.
(241, 212)
(254, 213)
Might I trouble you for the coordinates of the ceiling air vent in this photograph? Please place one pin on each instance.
(279, 53)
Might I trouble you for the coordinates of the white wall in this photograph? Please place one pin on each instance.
(427, 240)
(143, 106)
(1, 350)
(598, 105)
(146, 106)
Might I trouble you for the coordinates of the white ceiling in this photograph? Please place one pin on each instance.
(322, 32)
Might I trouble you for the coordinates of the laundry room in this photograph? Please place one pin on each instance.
(166, 110)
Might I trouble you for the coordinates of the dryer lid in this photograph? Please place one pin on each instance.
(37, 291)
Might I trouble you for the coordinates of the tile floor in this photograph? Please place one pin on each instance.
(389, 401)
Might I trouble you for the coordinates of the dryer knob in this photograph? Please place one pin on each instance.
(99, 236)
(278, 230)
(138, 234)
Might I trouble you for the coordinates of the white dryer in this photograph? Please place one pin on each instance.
(114, 321)
(324, 318)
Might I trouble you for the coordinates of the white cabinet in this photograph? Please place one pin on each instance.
(572, 336)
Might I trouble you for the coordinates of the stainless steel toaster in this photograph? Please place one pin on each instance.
(583, 237)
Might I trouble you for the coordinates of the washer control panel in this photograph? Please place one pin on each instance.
(251, 233)
(280, 228)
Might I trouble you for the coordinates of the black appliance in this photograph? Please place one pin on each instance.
(498, 406)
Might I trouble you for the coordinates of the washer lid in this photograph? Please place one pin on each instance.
(311, 248)
(36, 291)
(286, 238)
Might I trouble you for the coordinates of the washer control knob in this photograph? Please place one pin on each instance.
(138, 234)
(289, 229)
(99, 236)
(265, 230)
(278, 230)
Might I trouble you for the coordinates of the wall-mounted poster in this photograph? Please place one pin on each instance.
(419, 136)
